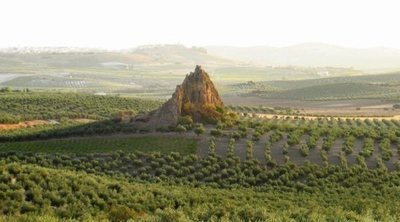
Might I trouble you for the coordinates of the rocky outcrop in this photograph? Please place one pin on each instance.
(196, 97)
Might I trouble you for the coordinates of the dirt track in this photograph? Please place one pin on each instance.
(311, 117)
(359, 107)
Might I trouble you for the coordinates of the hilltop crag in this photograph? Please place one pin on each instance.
(196, 97)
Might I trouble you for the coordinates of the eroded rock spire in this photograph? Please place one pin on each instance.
(196, 96)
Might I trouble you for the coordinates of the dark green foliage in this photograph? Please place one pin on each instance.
(267, 152)
(231, 147)
(33, 105)
(216, 132)
(348, 145)
(199, 129)
(295, 136)
(343, 160)
(63, 194)
(173, 186)
(68, 128)
(385, 149)
(304, 150)
(276, 136)
(368, 147)
(328, 143)
(285, 149)
(361, 161)
(211, 146)
(256, 136)
(249, 150)
(180, 128)
(186, 122)
(162, 144)
(6, 90)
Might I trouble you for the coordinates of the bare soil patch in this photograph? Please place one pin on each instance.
(23, 124)
(33, 123)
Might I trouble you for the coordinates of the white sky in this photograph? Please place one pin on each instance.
(128, 23)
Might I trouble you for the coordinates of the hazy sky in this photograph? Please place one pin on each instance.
(127, 23)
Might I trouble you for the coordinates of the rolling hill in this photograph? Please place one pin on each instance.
(314, 54)
(143, 55)
(383, 86)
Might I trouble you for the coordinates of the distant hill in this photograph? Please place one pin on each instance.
(313, 54)
(308, 54)
(152, 71)
(75, 57)
(177, 54)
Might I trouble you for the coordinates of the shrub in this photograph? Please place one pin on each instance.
(348, 145)
(397, 165)
(199, 129)
(380, 164)
(231, 147)
(312, 141)
(211, 146)
(185, 120)
(267, 152)
(235, 135)
(120, 213)
(324, 156)
(6, 89)
(386, 150)
(304, 150)
(180, 129)
(285, 149)
(361, 161)
(343, 160)
(368, 147)
(256, 136)
(249, 150)
(328, 142)
(216, 132)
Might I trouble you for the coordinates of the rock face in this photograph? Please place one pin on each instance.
(196, 97)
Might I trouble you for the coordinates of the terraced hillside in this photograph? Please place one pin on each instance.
(267, 169)
(323, 141)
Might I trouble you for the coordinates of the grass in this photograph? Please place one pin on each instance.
(161, 144)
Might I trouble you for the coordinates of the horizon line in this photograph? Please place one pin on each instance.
(191, 46)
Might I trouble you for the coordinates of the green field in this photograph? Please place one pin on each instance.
(21, 106)
(105, 144)
(337, 91)
(384, 86)
(282, 194)
(93, 163)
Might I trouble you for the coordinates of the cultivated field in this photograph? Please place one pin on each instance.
(81, 157)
